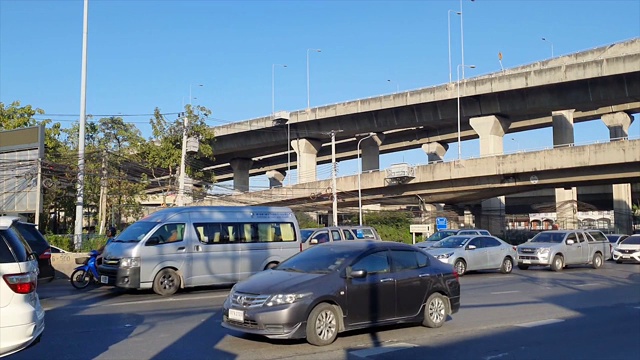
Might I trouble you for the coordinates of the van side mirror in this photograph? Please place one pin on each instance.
(153, 241)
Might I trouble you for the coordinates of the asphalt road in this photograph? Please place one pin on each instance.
(579, 313)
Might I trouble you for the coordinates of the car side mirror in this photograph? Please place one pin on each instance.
(358, 274)
(153, 241)
(313, 241)
(471, 247)
(570, 242)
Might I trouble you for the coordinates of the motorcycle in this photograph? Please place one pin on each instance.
(86, 273)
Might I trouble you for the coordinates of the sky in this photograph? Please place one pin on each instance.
(157, 53)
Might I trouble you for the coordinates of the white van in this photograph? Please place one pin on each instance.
(201, 245)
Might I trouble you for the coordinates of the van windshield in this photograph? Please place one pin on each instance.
(135, 232)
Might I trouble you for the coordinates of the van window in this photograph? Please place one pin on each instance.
(364, 234)
(168, 233)
(245, 232)
(348, 235)
(335, 235)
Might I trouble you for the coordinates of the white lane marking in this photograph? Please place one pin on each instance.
(539, 323)
(495, 356)
(385, 348)
(505, 292)
(160, 300)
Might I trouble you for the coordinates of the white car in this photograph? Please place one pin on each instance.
(627, 249)
(21, 315)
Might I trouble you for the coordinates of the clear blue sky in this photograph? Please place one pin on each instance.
(146, 54)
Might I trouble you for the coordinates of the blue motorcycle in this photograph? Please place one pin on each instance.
(86, 273)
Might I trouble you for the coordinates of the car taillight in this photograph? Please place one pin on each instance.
(455, 273)
(46, 254)
(22, 283)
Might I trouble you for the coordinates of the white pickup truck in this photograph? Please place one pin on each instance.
(559, 248)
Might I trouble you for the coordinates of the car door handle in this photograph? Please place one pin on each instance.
(197, 248)
(181, 248)
(386, 280)
(424, 275)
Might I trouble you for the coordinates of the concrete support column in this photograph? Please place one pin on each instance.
(562, 122)
(241, 167)
(468, 219)
(371, 152)
(618, 124)
(566, 198)
(435, 151)
(567, 208)
(622, 209)
(491, 130)
(492, 216)
(275, 178)
(307, 151)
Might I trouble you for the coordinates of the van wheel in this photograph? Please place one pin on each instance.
(435, 311)
(597, 260)
(166, 283)
(322, 325)
(558, 263)
(271, 265)
(507, 265)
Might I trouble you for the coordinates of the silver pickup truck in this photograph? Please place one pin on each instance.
(559, 248)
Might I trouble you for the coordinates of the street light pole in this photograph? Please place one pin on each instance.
(273, 87)
(333, 178)
(359, 173)
(308, 91)
(545, 39)
(185, 122)
(462, 38)
(449, 37)
(458, 86)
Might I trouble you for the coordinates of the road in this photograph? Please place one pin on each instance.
(579, 313)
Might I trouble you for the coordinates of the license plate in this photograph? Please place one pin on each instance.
(526, 261)
(104, 279)
(237, 315)
(625, 256)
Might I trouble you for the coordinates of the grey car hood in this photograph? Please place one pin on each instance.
(440, 251)
(277, 281)
(538, 245)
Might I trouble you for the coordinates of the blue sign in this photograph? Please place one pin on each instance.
(442, 223)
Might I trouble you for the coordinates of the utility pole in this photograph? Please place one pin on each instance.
(333, 177)
(180, 199)
(83, 114)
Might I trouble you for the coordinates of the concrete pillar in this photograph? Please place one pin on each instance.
(435, 151)
(492, 216)
(491, 130)
(371, 152)
(241, 167)
(562, 122)
(306, 150)
(566, 198)
(275, 178)
(567, 208)
(618, 124)
(468, 219)
(622, 210)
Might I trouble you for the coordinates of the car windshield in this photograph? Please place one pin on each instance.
(452, 242)
(613, 238)
(305, 233)
(439, 235)
(631, 240)
(548, 237)
(135, 232)
(318, 259)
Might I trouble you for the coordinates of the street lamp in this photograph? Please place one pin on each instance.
(397, 86)
(359, 172)
(308, 93)
(462, 39)
(545, 39)
(458, 86)
(449, 37)
(273, 88)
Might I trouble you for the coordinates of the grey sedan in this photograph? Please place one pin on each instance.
(475, 252)
(340, 286)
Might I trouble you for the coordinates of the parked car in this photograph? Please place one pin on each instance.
(559, 248)
(21, 315)
(475, 252)
(341, 286)
(628, 249)
(441, 234)
(38, 244)
(57, 250)
(337, 233)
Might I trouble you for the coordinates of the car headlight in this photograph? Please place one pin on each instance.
(444, 256)
(280, 299)
(543, 251)
(129, 262)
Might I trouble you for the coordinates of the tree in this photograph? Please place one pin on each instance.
(16, 117)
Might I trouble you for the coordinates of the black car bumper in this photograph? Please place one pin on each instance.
(128, 278)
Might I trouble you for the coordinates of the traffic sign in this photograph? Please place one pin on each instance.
(442, 223)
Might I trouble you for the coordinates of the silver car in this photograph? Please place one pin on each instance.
(475, 252)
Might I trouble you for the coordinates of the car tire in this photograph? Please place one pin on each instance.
(558, 263)
(460, 266)
(507, 265)
(618, 261)
(322, 325)
(596, 263)
(523, 267)
(166, 282)
(435, 311)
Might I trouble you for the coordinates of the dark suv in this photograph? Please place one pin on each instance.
(38, 244)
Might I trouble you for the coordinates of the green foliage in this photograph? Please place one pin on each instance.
(305, 220)
(391, 225)
(16, 117)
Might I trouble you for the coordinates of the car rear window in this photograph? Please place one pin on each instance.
(11, 248)
(35, 239)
